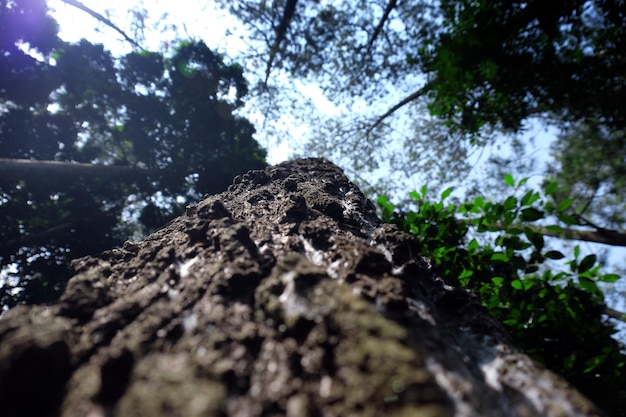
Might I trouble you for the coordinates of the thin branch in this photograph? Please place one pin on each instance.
(417, 94)
(281, 30)
(599, 235)
(379, 28)
(34, 238)
(102, 19)
(614, 314)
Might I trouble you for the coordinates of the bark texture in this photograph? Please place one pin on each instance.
(285, 295)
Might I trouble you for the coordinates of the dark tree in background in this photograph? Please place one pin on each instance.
(158, 129)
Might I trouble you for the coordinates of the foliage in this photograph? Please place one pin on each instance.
(484, 62)
(552, 309)
(591, 170)
(477, 66)
(169, 116)
(497, 62)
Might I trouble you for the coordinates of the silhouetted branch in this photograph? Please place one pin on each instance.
(102, 19)
(417, 94)
(379, 28)
(599, 235)
(25, 169)
(614, 314)
(288, 13)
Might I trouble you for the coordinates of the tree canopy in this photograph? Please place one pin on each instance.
(479, 63)
(162, 123)
(498, 62)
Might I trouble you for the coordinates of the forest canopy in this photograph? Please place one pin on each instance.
(133, 140)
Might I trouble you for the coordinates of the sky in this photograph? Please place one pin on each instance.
(221, 32)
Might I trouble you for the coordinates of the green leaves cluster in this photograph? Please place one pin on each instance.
(499, 62)
(549, 301)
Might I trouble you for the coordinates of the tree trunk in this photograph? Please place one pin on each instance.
(285, 295)
(32, 170)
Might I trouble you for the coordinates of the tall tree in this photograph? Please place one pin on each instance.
(159, 130)
(285, 295)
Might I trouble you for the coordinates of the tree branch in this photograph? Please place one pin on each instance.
(281, 30)
(614, 314)
(11, 245)
(417, 94)
(102, 19)
(379, 28)
(12, 169)
(599, 235)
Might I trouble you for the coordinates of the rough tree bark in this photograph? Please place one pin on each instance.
(285, 295)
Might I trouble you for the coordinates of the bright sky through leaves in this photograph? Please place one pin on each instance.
(167, 21)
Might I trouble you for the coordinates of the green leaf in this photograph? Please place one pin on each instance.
(531, 214)
(510, 203)
(522, 182)
(535, 238)
(424, 190)
(564, 205)
(517, 284)
(529, 198)
(467, 273)
(587, 263)
(383, 201)
(554, 228)
(446, 193)
(530, 269)
(387, 207)
(588, 284)
(415, 195)
(508, 179)
(473, 245)
(479, 202)
(554, 254)
(499, 257)
(567, 219)
(550, 188)
(608, 278)
(497, 281)
(594, 362)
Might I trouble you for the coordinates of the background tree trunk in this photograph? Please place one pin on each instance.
(285, 295)
(31, 170)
